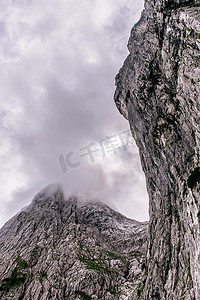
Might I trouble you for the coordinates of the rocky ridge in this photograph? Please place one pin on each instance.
(61, 248)
(157, 90)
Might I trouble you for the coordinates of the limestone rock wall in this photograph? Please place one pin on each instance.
(158, 91)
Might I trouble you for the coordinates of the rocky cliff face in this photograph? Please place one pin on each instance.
(59, 248)
(157, 90)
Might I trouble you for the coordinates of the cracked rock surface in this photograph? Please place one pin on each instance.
(58, 248)
(157, 90)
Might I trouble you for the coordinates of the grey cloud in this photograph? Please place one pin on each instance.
(58, 84)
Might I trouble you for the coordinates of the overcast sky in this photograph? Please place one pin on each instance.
(58, 119)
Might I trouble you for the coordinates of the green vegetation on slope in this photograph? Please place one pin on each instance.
(17, 277)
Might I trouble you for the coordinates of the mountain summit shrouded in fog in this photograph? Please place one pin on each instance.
(59, 248)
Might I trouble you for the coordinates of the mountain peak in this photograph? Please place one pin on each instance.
(59, 248)
(50, 190)
(51, 194)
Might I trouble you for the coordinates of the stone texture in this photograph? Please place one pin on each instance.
(59, 248)
(157, 90)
